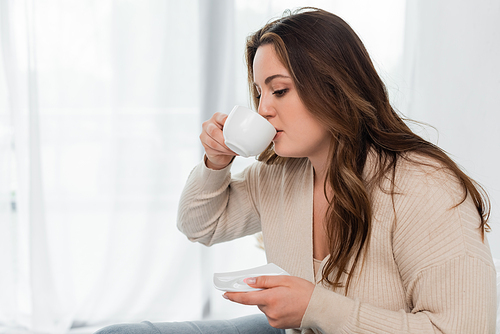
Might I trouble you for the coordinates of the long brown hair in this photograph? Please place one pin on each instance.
(339, 85)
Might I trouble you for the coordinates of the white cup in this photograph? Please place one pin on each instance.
(246, 132)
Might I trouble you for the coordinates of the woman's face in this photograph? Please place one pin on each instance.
(299, 133)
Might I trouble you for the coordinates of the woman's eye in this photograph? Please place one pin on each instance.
(280, 92)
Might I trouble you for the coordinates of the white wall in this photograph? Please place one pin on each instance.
(452, 81)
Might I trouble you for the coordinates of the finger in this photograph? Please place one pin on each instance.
(266, 282)
(216, 133)
(214, 130)
(219, 119)
(247, 298)
(213, 138)
(213, 145)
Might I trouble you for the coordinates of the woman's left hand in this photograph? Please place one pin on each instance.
(284, 299)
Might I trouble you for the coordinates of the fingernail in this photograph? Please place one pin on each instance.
(250, 280)
(225, 297)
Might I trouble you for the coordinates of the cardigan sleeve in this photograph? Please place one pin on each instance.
(445, 305)
(446, 268)
(215, 207)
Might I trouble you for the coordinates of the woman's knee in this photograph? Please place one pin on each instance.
(137, 328)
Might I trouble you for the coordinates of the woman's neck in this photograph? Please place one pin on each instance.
(320, 168)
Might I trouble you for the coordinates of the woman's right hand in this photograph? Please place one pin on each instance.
(218, 154)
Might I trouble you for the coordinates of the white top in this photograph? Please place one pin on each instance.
(317, 265)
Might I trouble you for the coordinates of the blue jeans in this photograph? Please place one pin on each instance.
(245, 325)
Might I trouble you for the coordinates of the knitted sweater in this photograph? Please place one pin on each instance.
(425, 270)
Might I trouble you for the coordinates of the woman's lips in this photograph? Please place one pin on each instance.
(278, 134)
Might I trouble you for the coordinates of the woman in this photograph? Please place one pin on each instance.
(379, 229)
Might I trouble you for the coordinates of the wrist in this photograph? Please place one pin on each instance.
(214, 166)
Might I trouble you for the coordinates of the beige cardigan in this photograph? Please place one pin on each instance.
(426, 269)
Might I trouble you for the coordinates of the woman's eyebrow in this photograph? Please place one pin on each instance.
(272, 77)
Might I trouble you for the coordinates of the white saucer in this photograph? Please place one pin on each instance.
(233, 281)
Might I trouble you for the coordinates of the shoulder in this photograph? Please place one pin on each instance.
(423, 184)
(421, 164)
(414, 176)
(434, 213)
(417, 174)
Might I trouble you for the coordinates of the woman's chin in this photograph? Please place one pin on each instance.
(278, 151)
(284, 153)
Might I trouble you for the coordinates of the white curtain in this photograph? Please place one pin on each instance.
(101, 104)
(99, 131)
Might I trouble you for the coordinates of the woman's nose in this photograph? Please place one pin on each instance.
(265, 109)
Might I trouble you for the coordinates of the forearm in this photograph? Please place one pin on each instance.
(214, 208)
